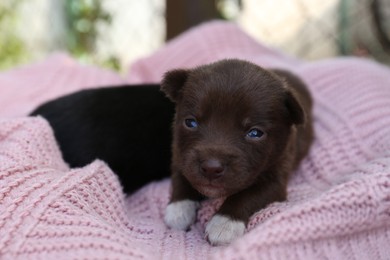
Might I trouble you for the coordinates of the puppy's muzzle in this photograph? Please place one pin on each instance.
(212, 169)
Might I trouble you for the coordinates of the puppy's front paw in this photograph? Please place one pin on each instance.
(221, 230)
(181, 214)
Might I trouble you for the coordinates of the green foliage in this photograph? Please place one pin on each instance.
(83, 18)
(12, 49)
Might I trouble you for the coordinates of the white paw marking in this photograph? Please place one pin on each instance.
(222, 230)
(181, 214)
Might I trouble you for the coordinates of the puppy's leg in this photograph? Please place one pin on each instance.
(181, 210)
(231, 219)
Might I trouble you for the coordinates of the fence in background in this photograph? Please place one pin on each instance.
(114, 33)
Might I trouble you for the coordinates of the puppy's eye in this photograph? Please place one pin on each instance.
(191, 123)
(255, 133)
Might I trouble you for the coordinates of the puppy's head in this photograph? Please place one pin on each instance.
(233, 120)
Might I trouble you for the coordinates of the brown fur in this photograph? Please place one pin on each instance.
(217, 158)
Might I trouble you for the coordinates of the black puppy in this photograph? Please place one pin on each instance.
(129, 127)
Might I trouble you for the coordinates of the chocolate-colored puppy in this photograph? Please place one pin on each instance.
(239, 131)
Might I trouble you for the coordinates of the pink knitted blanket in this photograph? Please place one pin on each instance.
(339, 200)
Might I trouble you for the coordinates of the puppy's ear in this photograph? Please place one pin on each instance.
(294, 108)
(173, 82)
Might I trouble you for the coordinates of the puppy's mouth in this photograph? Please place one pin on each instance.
(213, 173)
(212, 184)
(211, 189)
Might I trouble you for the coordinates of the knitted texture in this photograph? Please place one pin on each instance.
(338, 203)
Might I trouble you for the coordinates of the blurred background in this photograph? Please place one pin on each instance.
(114, 33)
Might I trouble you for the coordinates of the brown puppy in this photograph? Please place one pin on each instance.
(239, 131)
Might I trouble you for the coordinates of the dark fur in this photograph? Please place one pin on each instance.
(227, 99)
(129, 127)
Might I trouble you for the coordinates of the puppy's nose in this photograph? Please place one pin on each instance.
(212, 169)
